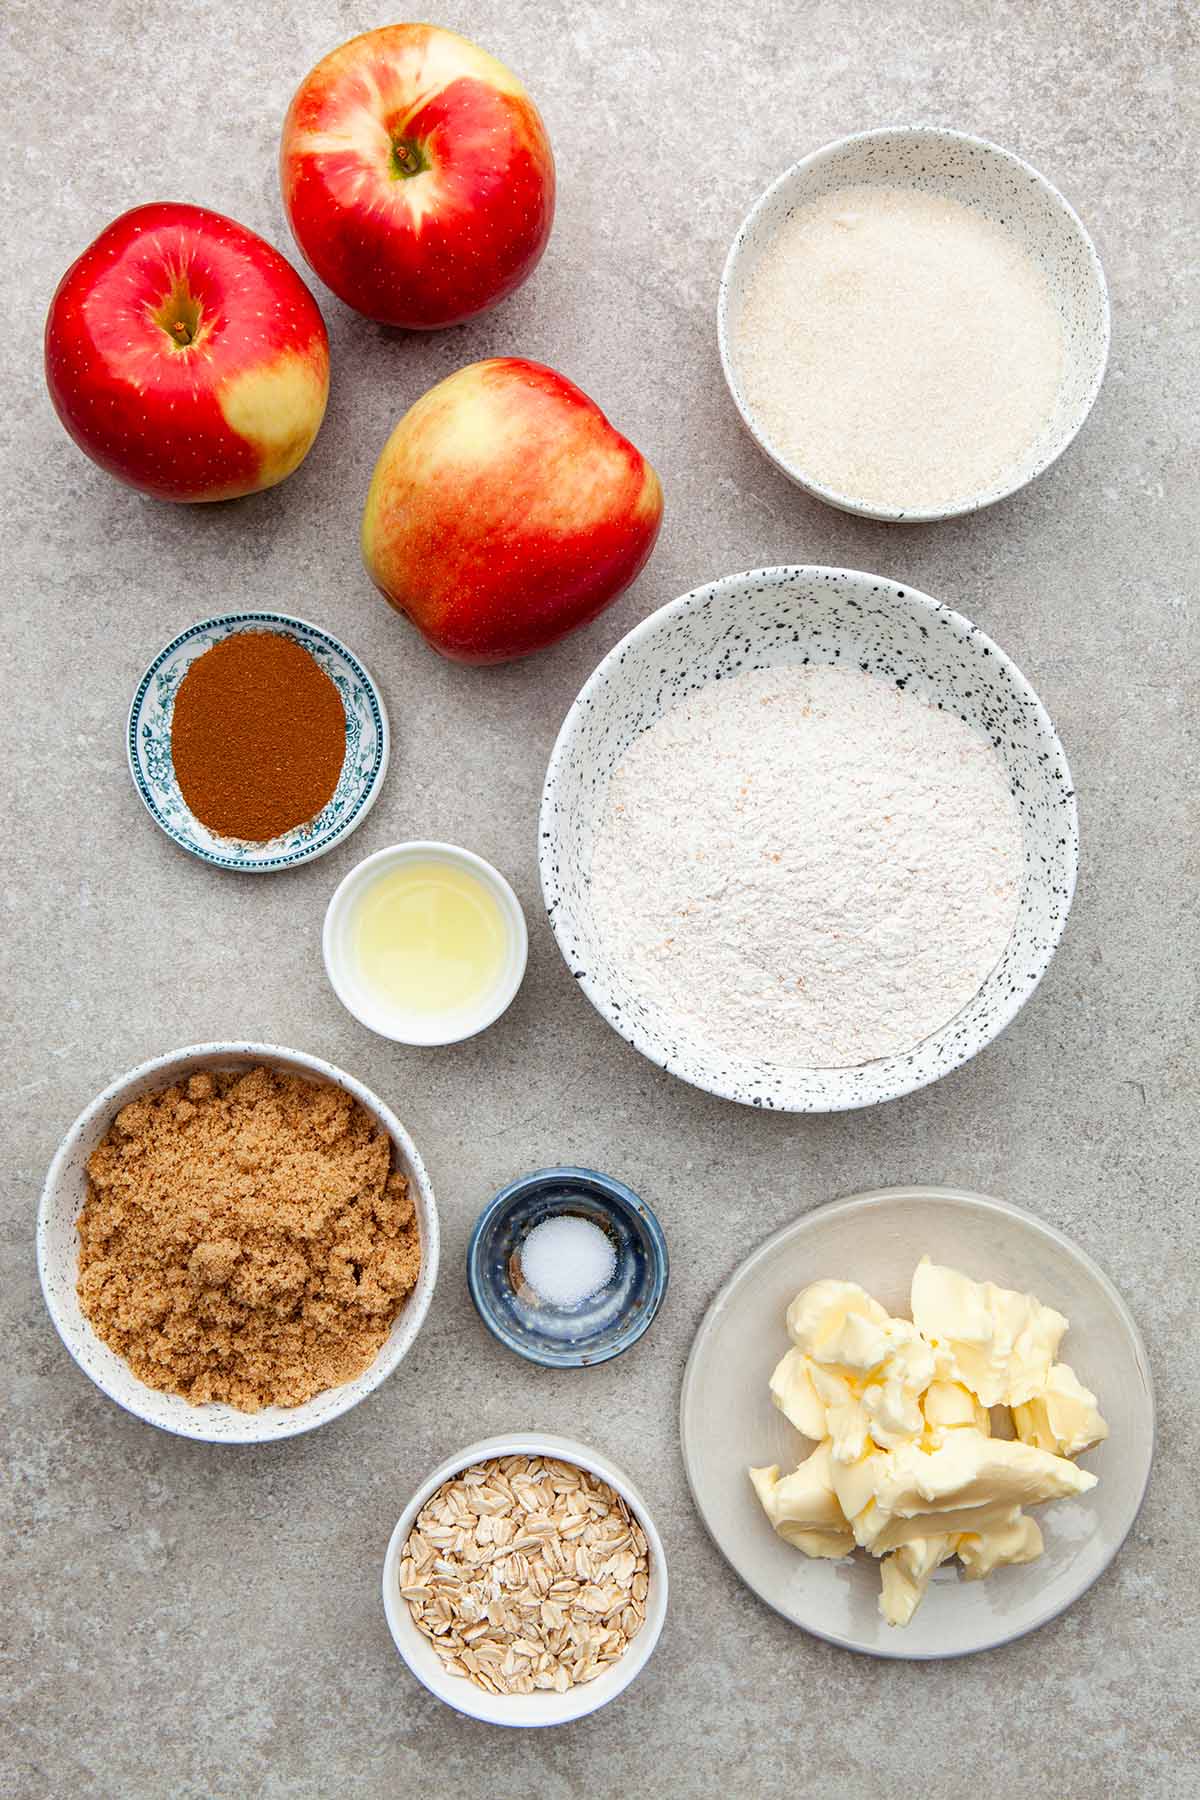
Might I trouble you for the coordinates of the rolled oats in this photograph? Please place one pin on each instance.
(526, 1574)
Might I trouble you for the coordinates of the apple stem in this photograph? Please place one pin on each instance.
(179, 317)
(406, 159)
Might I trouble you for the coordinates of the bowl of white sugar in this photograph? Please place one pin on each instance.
(808, 839)
(913, 323)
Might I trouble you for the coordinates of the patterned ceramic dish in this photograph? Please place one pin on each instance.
(979, 174)
(148, 742)
(807, 615)
(58, 1253)
(729, 1424)
(600, 1328)
(547, 1707)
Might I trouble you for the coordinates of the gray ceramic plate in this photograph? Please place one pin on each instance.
(728, 1421)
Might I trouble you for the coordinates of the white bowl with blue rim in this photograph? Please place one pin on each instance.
(764, 619)
(990, 180)
(594, 1329)
(148, 743)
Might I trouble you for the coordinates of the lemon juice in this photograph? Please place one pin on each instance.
(429, 937)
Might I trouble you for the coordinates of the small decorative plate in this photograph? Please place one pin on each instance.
(728, 1422)
(148, 741)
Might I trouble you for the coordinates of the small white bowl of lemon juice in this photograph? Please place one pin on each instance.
(425, 943)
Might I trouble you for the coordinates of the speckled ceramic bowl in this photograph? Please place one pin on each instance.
(524, 1711)
(58, 1253)
(574, 1337)
(979, 174)
(807, 615)
(148, 743)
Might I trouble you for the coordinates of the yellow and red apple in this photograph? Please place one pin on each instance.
(505, 511)
(417, 176)
(186, 356)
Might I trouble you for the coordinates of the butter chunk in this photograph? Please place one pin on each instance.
(914, 1422)
(1017, 1541)
(794, 1394)
(892, 1398)
(967, 1482)
(830, 1544)
(831, 1321)
(1003, 1343)
(906, 1574)
(854, 1373)
(803, 1507)
(880, 1534)
(968, 1469)
(847, 1421)
(1063, 1418)
(855, 1483)
(948, 1404)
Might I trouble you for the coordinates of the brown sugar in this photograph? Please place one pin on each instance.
(245, 1238)
(258, 736)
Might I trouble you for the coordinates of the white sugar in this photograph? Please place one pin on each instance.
(567, 1259)
(899, 348)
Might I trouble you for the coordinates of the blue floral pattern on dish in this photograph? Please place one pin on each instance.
(148, 741)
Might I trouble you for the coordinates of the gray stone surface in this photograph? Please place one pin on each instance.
(205, 1622)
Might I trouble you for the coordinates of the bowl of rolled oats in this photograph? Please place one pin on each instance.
(525, 1583)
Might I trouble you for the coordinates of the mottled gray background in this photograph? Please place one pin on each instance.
(200, 1621)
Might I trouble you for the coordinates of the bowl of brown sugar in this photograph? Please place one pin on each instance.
(237, 1242)
(257, 741)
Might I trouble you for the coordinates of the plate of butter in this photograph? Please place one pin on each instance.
(918, 1423)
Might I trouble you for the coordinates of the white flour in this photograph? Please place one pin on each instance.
(807, 866)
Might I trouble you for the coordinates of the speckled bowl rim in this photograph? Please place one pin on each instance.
(846, 502)
(551, 1709)
(319, 846)
(870, 1204)
(196, 1421)
(778, 575)
(612, 1190)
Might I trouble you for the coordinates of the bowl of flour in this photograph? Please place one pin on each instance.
(808, 839)
(913, 323)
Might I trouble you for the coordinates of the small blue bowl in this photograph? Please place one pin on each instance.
(597, 1329)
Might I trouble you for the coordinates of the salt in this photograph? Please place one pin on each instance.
(567, 1259)
(899, 348)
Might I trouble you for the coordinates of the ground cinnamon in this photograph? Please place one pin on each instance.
(258, 736)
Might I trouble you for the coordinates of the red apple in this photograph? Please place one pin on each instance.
(505, 510)
(186, 356)
(417, 176)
